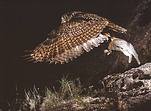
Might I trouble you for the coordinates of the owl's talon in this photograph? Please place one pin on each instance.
(107, 52)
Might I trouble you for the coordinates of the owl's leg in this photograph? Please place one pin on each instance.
(116, 28)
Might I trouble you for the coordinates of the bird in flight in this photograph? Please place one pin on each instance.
(77, 33)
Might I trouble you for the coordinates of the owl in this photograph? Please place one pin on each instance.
(77, 33)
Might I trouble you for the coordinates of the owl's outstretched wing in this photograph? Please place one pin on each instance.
(71, 40)
(78, 32)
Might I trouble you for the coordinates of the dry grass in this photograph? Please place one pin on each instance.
(70, 96)
(69, 92)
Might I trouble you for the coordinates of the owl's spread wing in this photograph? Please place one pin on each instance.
(77, 33)
(72, 39)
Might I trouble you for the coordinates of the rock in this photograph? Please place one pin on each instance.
(127, 91)
(131, 89)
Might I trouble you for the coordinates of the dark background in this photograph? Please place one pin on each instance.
(23, 25)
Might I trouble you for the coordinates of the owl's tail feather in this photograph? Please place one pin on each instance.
(117, 28)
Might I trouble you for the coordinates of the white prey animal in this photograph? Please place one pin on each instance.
(123, 46)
